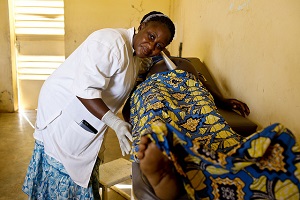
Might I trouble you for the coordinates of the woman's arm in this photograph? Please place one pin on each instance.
(231, 104)
(126, 110)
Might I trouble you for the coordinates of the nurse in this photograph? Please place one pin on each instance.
(79, 101)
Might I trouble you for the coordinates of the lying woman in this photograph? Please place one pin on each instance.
(199, 155)
(141, 187)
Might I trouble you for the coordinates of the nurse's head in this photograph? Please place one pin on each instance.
(156, 31)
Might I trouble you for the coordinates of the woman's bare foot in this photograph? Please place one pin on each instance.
(159, 170)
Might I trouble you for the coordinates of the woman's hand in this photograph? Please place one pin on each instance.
(237, 105)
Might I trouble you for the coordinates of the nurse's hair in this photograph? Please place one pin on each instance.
(156, 16)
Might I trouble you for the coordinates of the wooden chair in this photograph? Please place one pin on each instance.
(112, 173)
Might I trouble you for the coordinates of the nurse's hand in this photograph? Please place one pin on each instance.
(122, 129)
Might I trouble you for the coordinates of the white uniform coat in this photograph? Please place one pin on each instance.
(103, 66)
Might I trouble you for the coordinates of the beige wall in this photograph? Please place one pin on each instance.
(84, 17)
(8, 85)
(252, 48)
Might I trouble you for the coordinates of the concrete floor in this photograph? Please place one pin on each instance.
(16, 145)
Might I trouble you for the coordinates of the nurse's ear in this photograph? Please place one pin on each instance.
(142, 25)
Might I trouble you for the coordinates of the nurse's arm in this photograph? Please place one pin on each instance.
(96, 106)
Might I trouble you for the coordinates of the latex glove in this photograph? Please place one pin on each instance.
(145, 64)
(122, 129)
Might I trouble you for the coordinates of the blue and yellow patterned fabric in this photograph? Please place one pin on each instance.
(177, 98)
(214, 162)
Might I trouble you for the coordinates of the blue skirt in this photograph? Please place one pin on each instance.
(47, 178)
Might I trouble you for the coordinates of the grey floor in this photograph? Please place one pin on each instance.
(16, 145)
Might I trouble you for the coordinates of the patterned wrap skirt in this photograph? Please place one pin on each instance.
(179, 115)
(47, 178)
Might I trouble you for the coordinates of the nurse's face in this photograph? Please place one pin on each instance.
(151, 39)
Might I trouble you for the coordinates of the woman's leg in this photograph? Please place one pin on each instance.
(159, 171)
(141, 187)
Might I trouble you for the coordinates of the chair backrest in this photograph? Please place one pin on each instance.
(239, 124)
(200, 67)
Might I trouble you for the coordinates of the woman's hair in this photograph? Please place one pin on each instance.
(156, 16)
